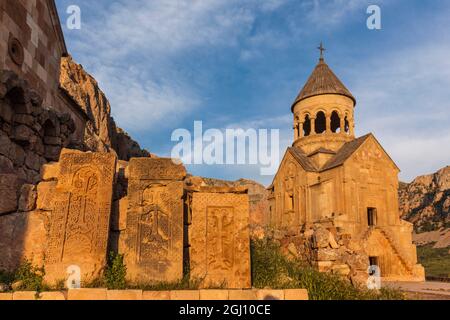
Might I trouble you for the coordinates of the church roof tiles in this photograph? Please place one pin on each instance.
(323, 81)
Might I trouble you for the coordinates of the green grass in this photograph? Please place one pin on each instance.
(270, 269)
(435, 261)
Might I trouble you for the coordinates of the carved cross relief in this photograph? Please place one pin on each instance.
(220, 239)
(81, 218)
(153, 229)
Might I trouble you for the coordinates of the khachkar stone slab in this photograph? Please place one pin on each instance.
(80, 215)
(154, 234)
(219, 239)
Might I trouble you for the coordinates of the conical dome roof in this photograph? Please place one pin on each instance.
(323, 81)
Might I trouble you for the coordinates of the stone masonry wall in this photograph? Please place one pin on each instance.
(30, 136)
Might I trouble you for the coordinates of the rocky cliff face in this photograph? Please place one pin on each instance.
(102, 133)
(426, 201)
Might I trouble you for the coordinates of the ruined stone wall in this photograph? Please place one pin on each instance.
(30, 136)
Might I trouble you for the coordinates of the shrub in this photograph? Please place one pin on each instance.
(6, 278)
(270, 268)
(30, 278)
(116, 272)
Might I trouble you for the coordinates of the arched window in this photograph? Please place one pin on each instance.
(335, 122)
(49, 129)
(307, 126)
(321, 123)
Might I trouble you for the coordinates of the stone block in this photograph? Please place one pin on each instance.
(8, 191)
(5, 145)
(154, 221)
(22, 236)
(296, 294)
(87, 294)
(33, 161)
(80, 218)
(156, 169)
(321, 238)
(124, 295)
(45, 194)
(333, 242)
(53, 141)
(268, 294)
(28, 196)
(185, 295)
(156, 295)
(6, 112)
(6, 296)
(6, 166)
(25, 295)
(25, 119)
(23, 134)
(341, 269)
(325, 254)
(214, 295)
(18, 155)
(52, 296)
(52, 153)
(324, 266)
(220, 240)
(242, 295)
(50, 171)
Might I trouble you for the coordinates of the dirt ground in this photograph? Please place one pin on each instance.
(423, 290)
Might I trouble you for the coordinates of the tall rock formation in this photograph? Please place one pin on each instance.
(426, 201)
(102, 133)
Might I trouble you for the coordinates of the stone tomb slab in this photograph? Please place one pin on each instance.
(219, 240)
(154, 227)
(80, 217)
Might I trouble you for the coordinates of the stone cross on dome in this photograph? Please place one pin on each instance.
(322, 49)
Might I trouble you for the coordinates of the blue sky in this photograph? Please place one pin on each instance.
(240, 63)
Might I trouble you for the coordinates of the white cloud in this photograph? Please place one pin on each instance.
(403, 102)
(132, 47)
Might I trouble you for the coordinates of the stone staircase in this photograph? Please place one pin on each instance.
(393, 245)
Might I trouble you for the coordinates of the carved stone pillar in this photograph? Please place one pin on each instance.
(300, 130)
(313, 126)
(352, 127)
(328, 124)
(296, 136)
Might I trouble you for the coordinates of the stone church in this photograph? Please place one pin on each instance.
(348, 185)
